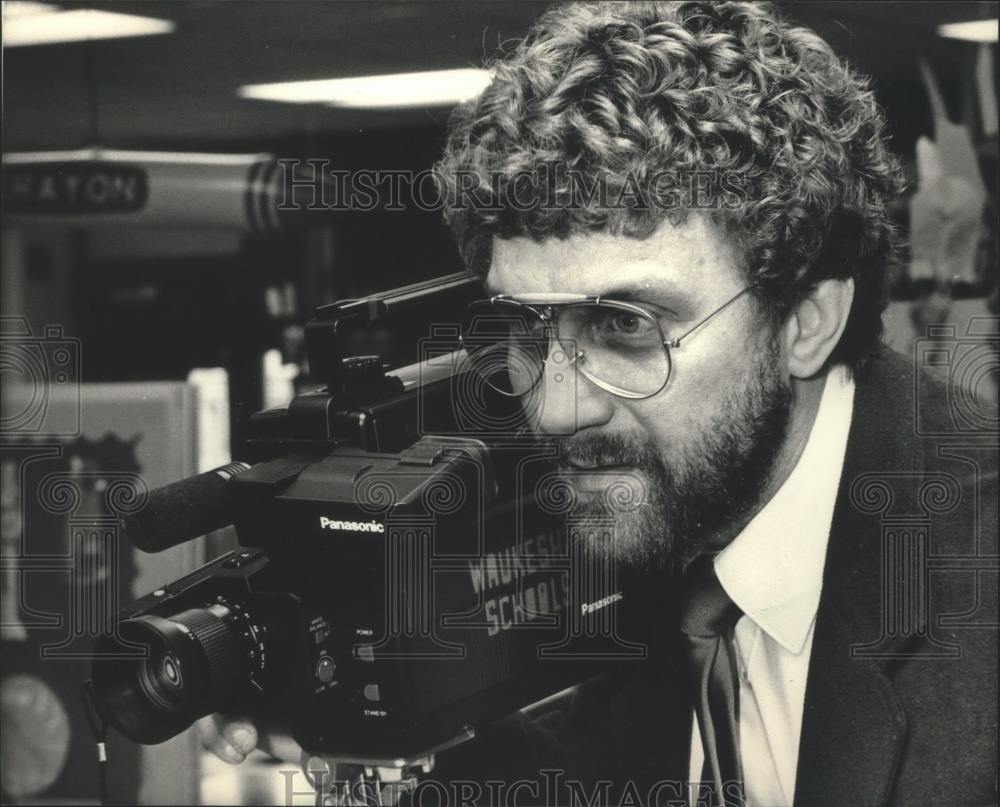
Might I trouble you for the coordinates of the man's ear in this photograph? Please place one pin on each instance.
(815, 325)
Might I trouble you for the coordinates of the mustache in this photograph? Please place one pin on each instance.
(608, 448)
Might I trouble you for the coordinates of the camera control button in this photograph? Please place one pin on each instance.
(326, 669)
(372, 693)
(240, 559)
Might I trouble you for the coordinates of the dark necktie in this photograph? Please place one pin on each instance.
(708, 618)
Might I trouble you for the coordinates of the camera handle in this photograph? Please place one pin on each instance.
(345, 780)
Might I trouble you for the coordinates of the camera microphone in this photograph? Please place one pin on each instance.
(184, 510)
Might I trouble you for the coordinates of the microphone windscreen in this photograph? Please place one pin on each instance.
(184, 510)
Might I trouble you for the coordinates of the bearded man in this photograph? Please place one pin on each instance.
(690, 201)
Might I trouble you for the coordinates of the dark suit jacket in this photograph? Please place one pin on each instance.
(901, 698)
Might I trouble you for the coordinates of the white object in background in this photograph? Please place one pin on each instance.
(279, 387)
(946, 211)
(36, 737)
(986, 87)
(212, 384)
(11, 530)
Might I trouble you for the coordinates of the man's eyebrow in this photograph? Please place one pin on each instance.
(643, 291)
(663, 292)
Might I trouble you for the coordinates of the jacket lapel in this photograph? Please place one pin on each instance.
(854, 727)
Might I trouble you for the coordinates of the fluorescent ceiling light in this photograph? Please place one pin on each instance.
(971, 31)
(427, 88)
(123, 156)
(76, 25)
(16, 9)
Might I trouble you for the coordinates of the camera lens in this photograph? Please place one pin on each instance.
(171, 671)
(199, 661)
(160, 679)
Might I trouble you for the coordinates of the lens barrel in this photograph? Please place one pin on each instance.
(199, 661)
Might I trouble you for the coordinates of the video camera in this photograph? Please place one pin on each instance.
(409, 565)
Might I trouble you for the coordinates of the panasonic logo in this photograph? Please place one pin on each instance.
(597, 605)
(350, 526)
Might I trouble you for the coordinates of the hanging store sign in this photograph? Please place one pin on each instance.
(72, 188)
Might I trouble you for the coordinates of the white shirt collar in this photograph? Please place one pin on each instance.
(773, 570)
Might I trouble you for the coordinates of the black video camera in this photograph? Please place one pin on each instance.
(409, 565)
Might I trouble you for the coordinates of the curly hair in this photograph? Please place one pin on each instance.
(626, 90)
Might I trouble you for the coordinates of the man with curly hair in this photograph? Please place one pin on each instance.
(762, 259)
(693, 198)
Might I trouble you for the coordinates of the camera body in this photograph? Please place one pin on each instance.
(394, 588)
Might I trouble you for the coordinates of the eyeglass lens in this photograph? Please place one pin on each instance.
(618, 347)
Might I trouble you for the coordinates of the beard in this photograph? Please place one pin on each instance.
(659, 514)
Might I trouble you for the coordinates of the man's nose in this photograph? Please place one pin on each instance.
(564, 401)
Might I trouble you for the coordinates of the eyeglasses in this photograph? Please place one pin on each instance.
(618, 346)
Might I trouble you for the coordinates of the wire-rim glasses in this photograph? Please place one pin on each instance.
(618, 346)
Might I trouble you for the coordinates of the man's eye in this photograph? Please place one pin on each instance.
(626, 324)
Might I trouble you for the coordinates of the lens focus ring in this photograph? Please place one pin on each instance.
(226, 659)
